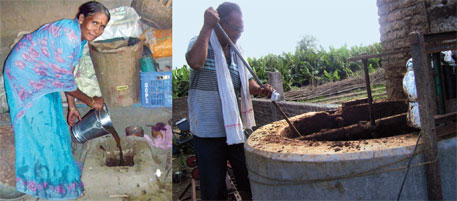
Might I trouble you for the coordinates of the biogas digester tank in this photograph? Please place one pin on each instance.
(283, 166)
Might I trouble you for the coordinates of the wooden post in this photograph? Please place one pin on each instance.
(275, 80)
(424, 87)
(370, 98)
(194, 190)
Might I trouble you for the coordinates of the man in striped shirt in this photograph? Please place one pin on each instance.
(205, 109)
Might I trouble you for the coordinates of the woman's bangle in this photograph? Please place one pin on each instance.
(72, 108)
(92, 103)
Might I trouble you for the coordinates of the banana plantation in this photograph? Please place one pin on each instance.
(310, 64)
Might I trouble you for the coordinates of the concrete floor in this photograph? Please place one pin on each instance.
(139, 182)
(7, 158)
(148, 179)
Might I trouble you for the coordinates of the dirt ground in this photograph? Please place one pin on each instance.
(180, 185)
(333, 89)
(7, 158)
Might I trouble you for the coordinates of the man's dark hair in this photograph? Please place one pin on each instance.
(225, 9)
(91, 7)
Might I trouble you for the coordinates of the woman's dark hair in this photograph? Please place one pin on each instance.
(225, 9)
(91, 7)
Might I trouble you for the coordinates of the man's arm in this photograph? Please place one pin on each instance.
(256, 89)
(196, 56)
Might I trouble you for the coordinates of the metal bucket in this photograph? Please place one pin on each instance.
(94, 124)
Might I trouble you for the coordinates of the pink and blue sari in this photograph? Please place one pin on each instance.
(37, 69)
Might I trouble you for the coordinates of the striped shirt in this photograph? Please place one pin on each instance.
(205, 108)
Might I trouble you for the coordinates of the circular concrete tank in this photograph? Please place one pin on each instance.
(286, 167)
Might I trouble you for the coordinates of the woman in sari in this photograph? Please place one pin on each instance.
(36, 71)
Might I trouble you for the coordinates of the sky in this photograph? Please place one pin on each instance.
(272, 26)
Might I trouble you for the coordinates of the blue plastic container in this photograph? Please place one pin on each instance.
(156, 89)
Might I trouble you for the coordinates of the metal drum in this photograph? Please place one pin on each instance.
(94, 124)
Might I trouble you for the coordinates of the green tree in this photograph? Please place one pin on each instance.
(312, 64)
(181, 81)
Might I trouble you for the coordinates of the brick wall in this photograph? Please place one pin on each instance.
(397, 18)
(264, 111)
(442, 15)
(28, 15)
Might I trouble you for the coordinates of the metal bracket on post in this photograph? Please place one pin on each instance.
(424, 86)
